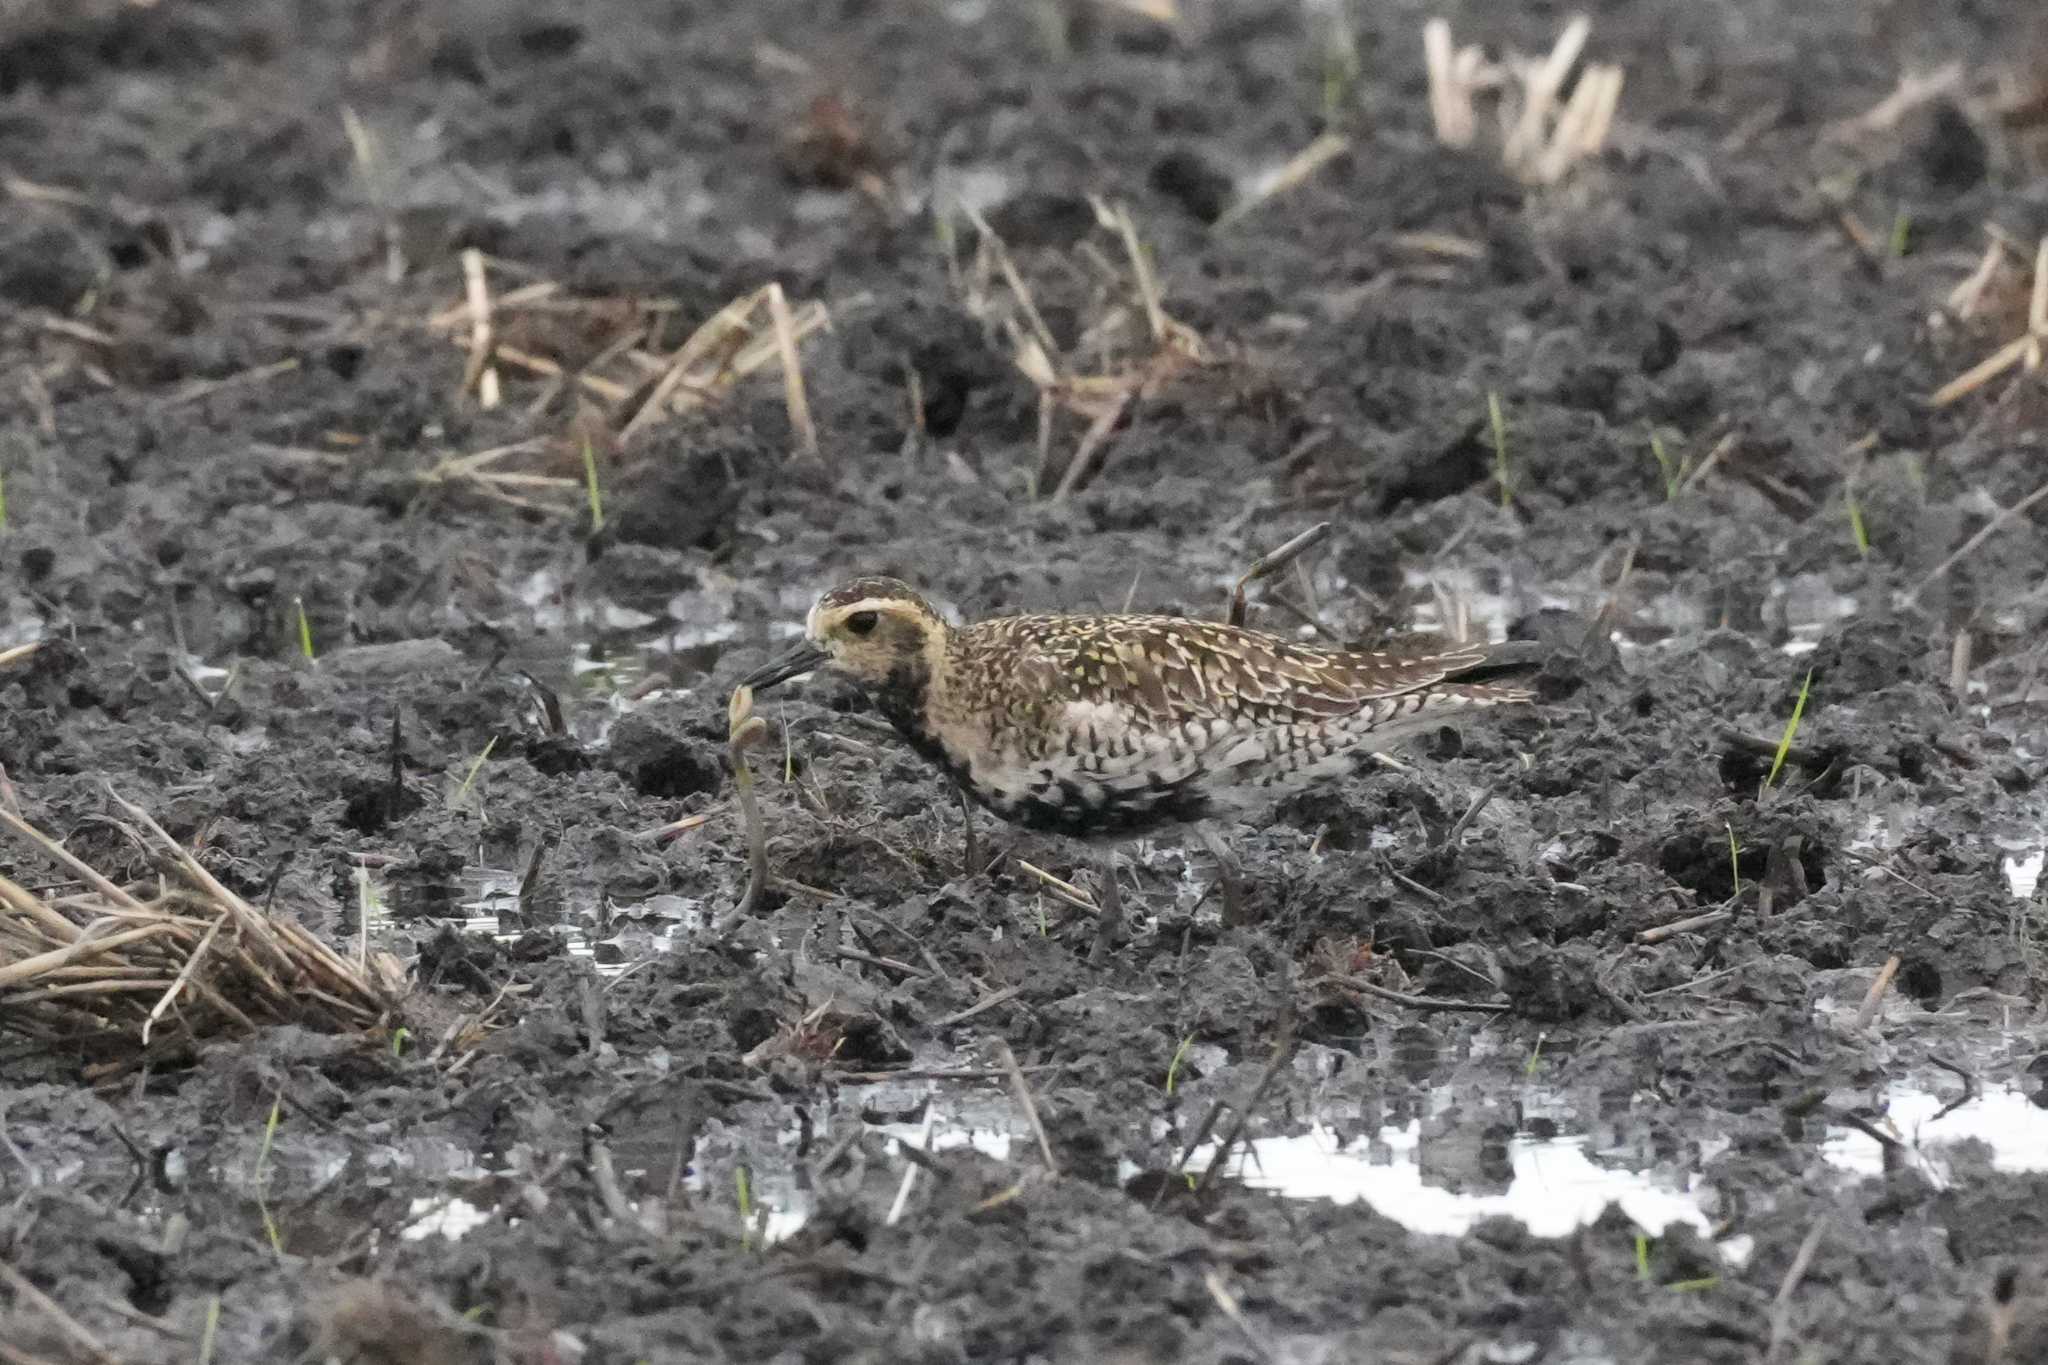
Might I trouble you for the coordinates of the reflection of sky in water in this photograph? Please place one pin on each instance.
(633, 932)
(2023, 872)
(1555, 1188)
(944, 1137)
(2006, 1121)
(1555, 1185)
(450, 1218)
(778, 1204)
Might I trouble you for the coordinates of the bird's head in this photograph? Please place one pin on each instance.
(871, 631)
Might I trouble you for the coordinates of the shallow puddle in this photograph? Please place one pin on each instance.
(612, 938)
(1808, 606)
(449, 1218)
(2005, 1120)
(2023, 872)
(1556, 1187)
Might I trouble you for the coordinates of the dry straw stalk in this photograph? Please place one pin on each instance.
(129, 974)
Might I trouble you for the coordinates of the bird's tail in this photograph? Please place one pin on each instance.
(1462, 695)
(1509, 661)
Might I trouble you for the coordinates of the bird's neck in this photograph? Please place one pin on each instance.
(905, 696)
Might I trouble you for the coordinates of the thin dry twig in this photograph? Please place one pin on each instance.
(1283, 1052)
(1873, 999)
(1227, 1302)
(2024, 351)
(1990, 529)
(1290, 175)
(1685, 926)
(206, 388)
(1453, 77)
(1266, 565)
(1964, 299)
(793, 395)
(1541, 140)
(1094, 442)
(1781, 1305)
(1464, 822)
(746, 335)
(1104, 399)
(972, 1073)
(1065, 890)
(184, 978)
(1001, 997)
(1714, 457)
(480, 375)
(1021, 1090)
(1118, 218)
(26, 1291)
(1419, 1002)
(1913, 90)
(1541, 82)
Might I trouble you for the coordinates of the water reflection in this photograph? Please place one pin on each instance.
(1554, 1186)
(2012, 1125)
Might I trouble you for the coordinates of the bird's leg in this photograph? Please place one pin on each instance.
(1110, 915)
(971, 854)
(1229, 875)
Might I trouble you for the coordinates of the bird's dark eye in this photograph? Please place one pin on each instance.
(863, 622)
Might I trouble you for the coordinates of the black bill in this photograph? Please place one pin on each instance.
(802, 657)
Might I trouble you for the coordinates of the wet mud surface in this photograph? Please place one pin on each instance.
(620, 1125)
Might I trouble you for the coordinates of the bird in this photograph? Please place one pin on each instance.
(1106, 727)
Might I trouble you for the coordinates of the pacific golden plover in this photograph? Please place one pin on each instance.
(1106, 727)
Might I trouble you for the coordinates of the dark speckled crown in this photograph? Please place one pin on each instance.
(867, 589)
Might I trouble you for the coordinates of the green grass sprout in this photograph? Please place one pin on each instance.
(1902, 234)
(1499, 424)
(475, 766)
(305, 629)
(1856, 526)
(209, 1333)
(1643, 1257)
(1535, 1061)
(1699, 1286)
(1173, 1067)
(743, 1185)
(1051, 22)
(1791, 730)
(1673, 469)
(590, 486)
(260, 1174)
(400, 1038)
(1341, 67)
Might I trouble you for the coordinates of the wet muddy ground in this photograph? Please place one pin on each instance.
(1664, 1119)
